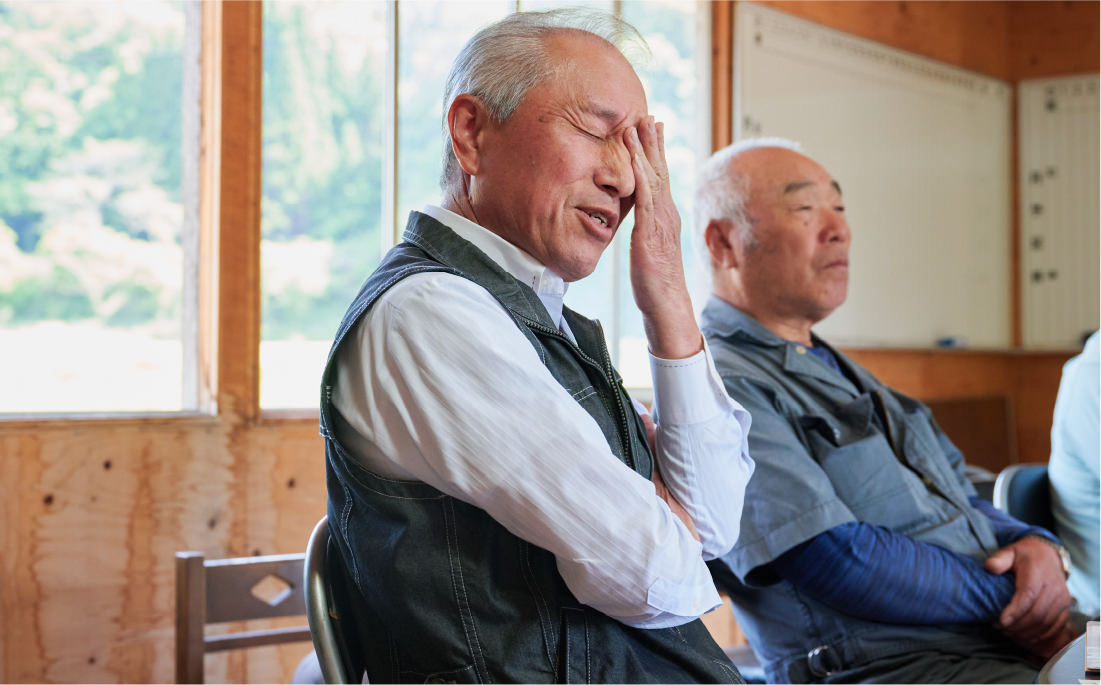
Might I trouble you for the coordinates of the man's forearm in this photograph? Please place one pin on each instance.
(879, 575)
(702, 447)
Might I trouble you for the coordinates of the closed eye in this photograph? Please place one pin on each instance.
(589, 134)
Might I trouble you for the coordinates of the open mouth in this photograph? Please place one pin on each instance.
(600, 217)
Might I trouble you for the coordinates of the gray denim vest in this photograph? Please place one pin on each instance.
(448, 593)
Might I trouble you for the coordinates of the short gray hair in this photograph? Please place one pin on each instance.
(721, 196)
(503, 61)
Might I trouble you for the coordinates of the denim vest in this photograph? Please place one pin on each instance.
(448, 593)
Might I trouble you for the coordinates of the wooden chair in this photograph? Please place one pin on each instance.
(222, 590)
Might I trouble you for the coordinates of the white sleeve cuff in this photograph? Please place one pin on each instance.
(680, 602)
(688, 391)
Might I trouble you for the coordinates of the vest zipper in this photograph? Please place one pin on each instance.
(609, 374)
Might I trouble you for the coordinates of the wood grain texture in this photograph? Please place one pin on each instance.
(1006, 40)
(972, 35)
(722, 74)
(92, 517)
(1029, 380)
(239, 224)
(1054, 39)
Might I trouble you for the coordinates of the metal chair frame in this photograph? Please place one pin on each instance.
(329, 625)
(1024, 492)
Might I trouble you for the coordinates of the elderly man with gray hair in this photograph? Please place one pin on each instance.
(504, 511)
(864, 554)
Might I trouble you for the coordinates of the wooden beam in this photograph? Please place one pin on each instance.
(239, 225)
(722, 73)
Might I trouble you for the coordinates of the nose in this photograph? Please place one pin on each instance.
(614, 173)
(835, 227)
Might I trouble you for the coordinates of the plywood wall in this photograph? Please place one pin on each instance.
(92, 514)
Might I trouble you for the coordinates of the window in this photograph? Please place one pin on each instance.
(92, 206)
(99, 165)
(674, 92)
(321, 214)
(353, 142)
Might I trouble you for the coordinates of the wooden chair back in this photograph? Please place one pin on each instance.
(983, 427)
(234, 589)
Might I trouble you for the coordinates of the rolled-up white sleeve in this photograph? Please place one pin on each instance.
(702, 446)
(438, 384)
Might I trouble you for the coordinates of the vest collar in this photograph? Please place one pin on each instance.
(547, 285)
(448, 248)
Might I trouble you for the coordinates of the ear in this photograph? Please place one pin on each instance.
(724, 252)
(467, 120)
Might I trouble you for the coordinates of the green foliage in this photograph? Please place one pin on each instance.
(322, 165)
(136, 303)
(90, 112)
(59, 296)
(146, 105)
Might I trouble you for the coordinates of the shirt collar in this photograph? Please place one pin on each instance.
(721, 317)
(548, 285)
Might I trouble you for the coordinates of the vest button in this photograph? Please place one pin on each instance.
(800, 349)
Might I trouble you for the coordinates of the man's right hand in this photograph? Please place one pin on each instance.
(1038, 616)
(674, 506)
(1047, 648)
(657, 269)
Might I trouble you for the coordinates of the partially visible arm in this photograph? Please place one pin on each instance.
(879, 575)
(702, 447)
(442, 387)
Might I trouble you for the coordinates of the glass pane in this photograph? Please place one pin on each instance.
(430, 35)
(324, 80)
(91, 206)
(671, 81)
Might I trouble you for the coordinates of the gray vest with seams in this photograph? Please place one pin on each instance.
(447, 594)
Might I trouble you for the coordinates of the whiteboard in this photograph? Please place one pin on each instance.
(922, 152)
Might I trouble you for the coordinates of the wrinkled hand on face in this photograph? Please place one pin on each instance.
(657, 272)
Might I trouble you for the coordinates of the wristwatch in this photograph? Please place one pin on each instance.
(1064, 555)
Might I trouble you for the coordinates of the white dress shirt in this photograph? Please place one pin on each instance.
(437, 384)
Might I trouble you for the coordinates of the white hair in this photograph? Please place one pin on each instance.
(503, 61)
(721, 196)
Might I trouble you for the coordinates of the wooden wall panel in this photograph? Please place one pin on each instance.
(972, 35)
(92, 516)
(1054, 38)
(1029, 380)
(1006, 40)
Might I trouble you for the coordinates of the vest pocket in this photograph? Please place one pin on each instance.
(573, 647)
